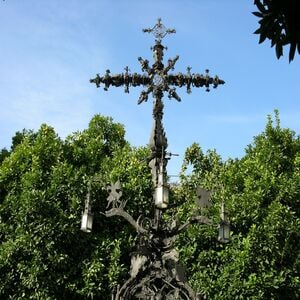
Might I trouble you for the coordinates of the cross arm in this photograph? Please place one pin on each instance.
(196, 80)
(124, 79)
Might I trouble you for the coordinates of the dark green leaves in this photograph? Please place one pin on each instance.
(280, 23)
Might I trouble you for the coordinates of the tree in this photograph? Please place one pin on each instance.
(3, 154)
(16, 140)
(280, 23)
(44, 180)
(261, 192)
(43, 254)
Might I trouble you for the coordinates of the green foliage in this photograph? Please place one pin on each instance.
(16, 140)
(280, 23)
(3, 154)
(43, 182)
(262, 194)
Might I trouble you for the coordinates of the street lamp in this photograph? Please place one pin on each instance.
(87, 215)
(224, 226)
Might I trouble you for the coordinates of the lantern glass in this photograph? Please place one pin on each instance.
(87, 222)
(224, 232)
(162, 196)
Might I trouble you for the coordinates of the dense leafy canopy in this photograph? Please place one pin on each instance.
(280, 23)
(43, 182)
(262, 194)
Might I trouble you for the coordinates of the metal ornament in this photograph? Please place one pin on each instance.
(203, 198)
(159, 30)
(155, 271)
(115, 193)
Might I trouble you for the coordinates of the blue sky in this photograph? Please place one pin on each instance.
(50, 49)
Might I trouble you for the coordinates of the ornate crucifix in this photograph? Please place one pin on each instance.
(155, 271)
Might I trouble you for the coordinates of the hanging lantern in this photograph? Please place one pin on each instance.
(161, 192)
(224, 232)
(224, 226)
(162, 196)
(87, 216)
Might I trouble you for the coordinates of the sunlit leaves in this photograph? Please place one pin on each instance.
(262, 192)
(43, 182)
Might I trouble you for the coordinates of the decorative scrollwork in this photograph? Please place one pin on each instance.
(157, 80)
(155, 271)
(159, 30)
(115, 193)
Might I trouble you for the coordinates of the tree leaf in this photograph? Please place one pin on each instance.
(260, 6)
(273, 42)
(258, 31)
(262, 37)
(257, 14)
(292, 51)
(279, 51)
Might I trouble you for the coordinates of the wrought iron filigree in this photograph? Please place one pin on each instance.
(203, 198)
(159, 30)
(115, 193)
(155, 271)
(157, 80)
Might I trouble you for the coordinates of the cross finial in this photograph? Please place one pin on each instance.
(159, 30)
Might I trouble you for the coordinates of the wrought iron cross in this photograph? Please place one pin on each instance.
(157, 80)
(151, 272)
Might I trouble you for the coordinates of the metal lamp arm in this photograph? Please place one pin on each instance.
(194, 220)
(120, 212)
